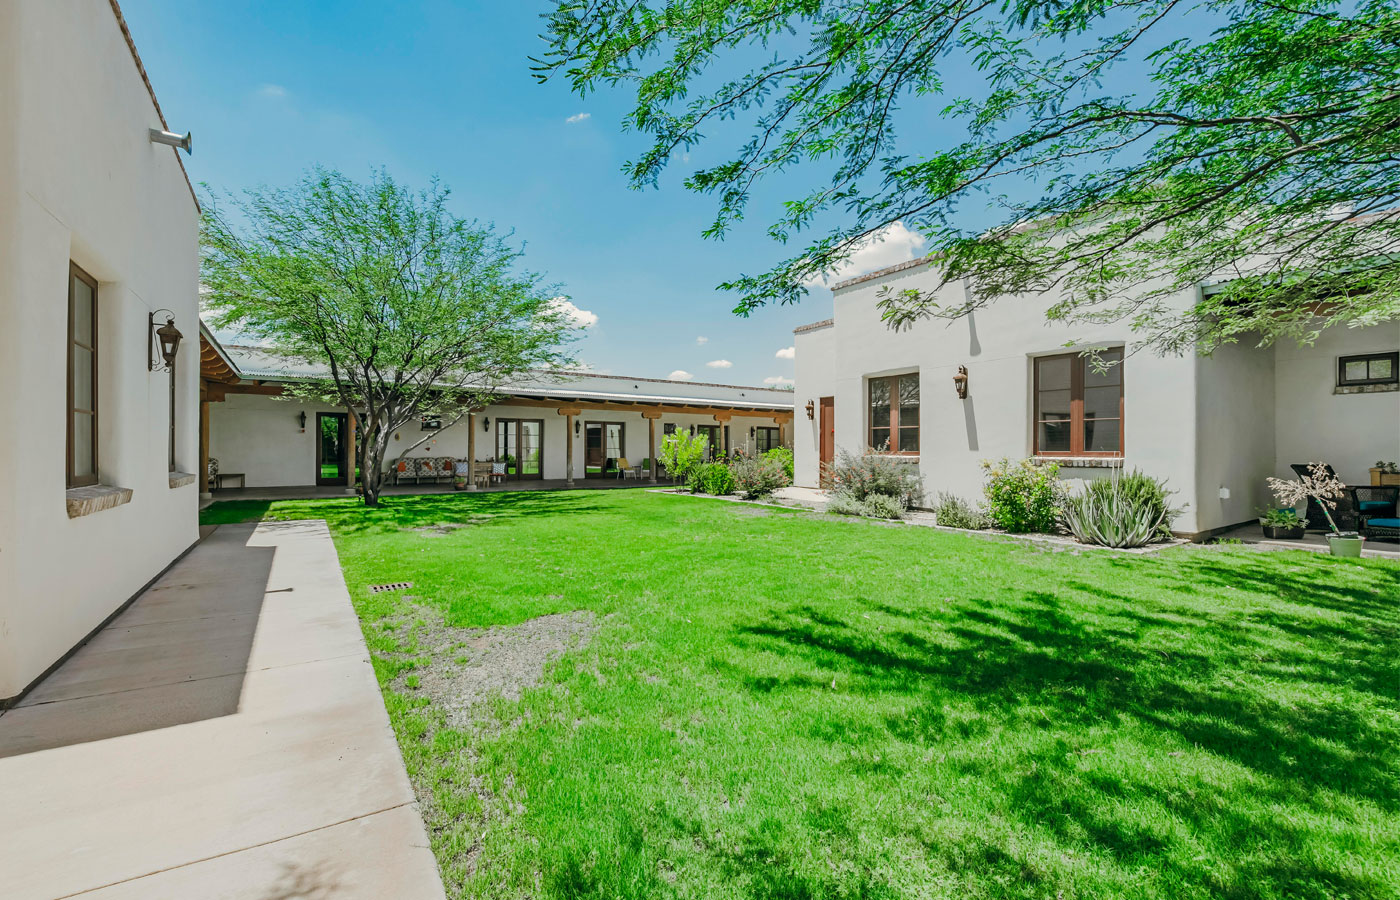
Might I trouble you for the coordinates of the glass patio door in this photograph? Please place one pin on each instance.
(603, 445)
(520, 445)
(332, 448)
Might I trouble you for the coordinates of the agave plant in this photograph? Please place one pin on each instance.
(1117, 512)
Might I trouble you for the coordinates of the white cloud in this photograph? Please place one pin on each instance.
(891, 245)
(720, 364)
(701, 341)
(786, 353)
(581, 318)
(779, 381)
(578, 117)
(275, 91)
(680, 375)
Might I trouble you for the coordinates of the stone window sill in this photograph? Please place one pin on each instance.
(1366, 388)
(180, 479)
(84, 501)
(1085, 462)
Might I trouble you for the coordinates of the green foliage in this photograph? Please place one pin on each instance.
(1127, 510)
(784, 456)
(413, 311)
(1281, 518)
(1024, 495)
(1260, 122)
(841, 503)
(955, 512)
(711, 478)
(680, 453)
(882, 506)
(873, 472)
(759, 477)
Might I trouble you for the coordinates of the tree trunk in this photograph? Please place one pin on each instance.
(372, 448)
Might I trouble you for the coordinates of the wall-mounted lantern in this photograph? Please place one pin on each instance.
(577, 426)
(486, 424)
(165, 342)
(301, 419)
(960, 382)
(811, 410)
(752, 433)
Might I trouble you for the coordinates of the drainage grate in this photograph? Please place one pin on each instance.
(396, 586)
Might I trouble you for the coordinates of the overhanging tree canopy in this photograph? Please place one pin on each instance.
(415, 311)
(1260, 149)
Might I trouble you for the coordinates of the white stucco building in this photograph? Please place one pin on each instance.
(1215, 427)
(98, 231)
(262, 439)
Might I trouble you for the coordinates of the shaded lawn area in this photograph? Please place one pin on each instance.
(786, 705)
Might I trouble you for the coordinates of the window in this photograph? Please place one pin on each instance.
(1078, 410)
(430, 423)
(82, 378)
(766, 439)
(894, 413)
(711, 433)
(1369, 368)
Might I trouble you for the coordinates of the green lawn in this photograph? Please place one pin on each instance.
(784, 705)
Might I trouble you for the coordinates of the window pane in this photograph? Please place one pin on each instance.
(1113, 375)
(1356, 370)
(879, 438)
(880, 403)
(614, 447)
(530, 448)
(1102, 435)
(1053, 373)
(1381, 369)
(1054, 404)
(909, 440)
(82, 378)
(82, 311)
(1053, 436)
(82, 445)
(908, 401)
(1101, 402)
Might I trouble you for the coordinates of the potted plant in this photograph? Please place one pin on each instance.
(1385, 473)
(1282, 524)
(1320, 485)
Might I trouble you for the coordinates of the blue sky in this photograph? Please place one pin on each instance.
(436, 88)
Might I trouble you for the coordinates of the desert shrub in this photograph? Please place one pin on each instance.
(882, 506)
(711, 478)
(1024, 495)
(1122, 511)
(681, 452)
(955, 512)
(873, 472)
(843, 504)
(759, 477)
(784, 456)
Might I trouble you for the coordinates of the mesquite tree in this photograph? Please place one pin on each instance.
(411, 310)
(1124, 151)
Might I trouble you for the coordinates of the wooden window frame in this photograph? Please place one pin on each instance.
(895, 426)
(1078, 367)
(519, 439)
(603, 425)
(1392, 355)
(74, 481)
(763, 431)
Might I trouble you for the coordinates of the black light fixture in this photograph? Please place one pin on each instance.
(165, 342)
(751, 432)
(301, 418)
(486, 424)
(577, 426)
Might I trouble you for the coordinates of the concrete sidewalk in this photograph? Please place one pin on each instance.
(223, 738)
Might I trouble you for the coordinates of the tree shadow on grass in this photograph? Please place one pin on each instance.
(1229, 690)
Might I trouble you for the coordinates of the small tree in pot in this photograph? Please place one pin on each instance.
(1324, 487)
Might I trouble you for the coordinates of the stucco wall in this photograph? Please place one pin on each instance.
(997, 344)
(814, 378)
(260, 437)
(1350, 431)
(1234, 434)
(84, 183)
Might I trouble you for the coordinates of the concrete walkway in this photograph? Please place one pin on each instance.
(223, 738)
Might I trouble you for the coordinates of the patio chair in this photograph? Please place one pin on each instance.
(498, 472)
(624, 469)
(1344, 514)
(447, 467)
(1378, 509)
(481, 473)
(403, 470)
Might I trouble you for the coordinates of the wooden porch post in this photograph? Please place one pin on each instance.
(568, 412)
(204, 493)
(723, 419)
(471, 451)
(350, 419)
(651, 416)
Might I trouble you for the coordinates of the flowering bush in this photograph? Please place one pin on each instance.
(955, 512)
(784, 457)
(875, 506)
(759, 477)
(1024, 495)
(874, 472)
(1319, 484)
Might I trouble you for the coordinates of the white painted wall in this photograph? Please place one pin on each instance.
(814, 378)
(260, 437)
(997, 344)
(80, 181)
(1350, 431)
(1234, 434)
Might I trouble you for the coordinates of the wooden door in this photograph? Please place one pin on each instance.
(332, 463)
(828, 431)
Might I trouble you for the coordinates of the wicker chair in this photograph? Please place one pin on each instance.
(1378, 509)
(1344, 514)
